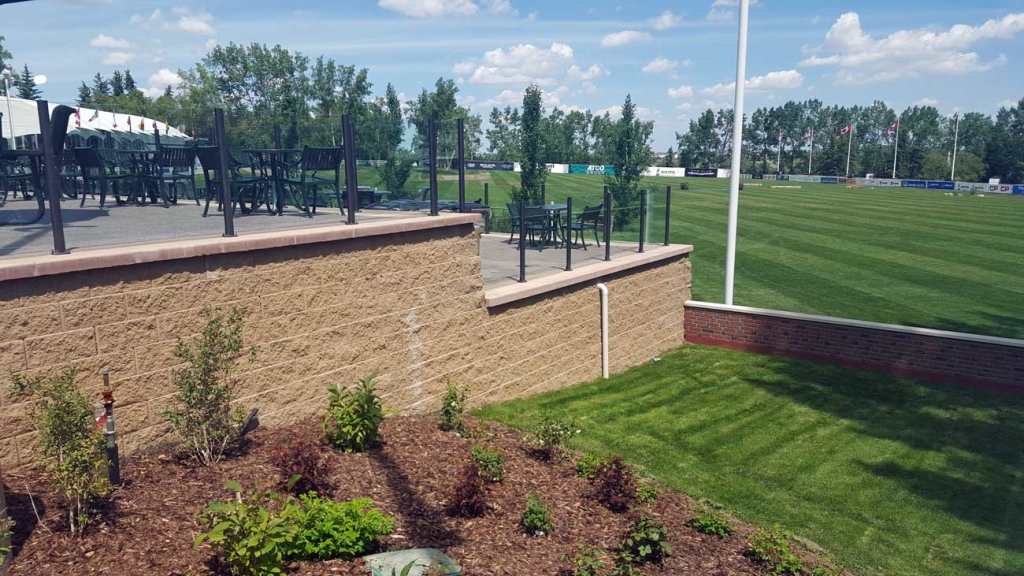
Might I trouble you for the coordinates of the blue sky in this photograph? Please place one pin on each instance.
(675, 57)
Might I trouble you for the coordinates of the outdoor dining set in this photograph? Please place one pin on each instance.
(545, 225)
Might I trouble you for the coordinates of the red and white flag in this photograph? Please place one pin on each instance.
(115, 121)
(78, 118)
(808, 136)
(847, 130)
(895, 127)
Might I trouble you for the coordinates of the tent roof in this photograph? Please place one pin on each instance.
(25, 120)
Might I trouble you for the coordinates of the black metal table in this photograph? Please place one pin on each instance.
(36, 156)
(278, 186)
(554, 212)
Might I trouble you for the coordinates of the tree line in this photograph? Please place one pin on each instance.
(986, 146)
(23, 83)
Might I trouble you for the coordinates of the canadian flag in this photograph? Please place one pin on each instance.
(847, 130)
(893, 128)
(808, 136)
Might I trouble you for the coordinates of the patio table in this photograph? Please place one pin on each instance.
(278, 186)
(36, 156)
(554, 212)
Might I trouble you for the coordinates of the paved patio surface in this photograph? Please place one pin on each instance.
(501, 260)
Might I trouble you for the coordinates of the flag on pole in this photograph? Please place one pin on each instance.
(780, 137)
(142, 124)
(95, 115)
(894, 128)
(845, 131)
(129, 123)
(167, 128)
(78, 118)
(115, 120)
(808, 136)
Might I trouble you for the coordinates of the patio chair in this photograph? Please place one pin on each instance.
(314, 161)
(540, 223)
(589, 219)
(513, 216)
(172, 166)
(253, 185)
(97, 171)
(69, 173)
(16, 175)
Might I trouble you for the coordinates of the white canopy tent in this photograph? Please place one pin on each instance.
(23, 120)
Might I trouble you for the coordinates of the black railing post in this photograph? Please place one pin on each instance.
(567, 235)
(522, 241)
(156, 135)
(643, 218)
(668, 210)
(51, 180)
(432, 159)
(487, 203)
(276, 162)
(223, 174)
(461, 127)
(348, 133)
(607, 224)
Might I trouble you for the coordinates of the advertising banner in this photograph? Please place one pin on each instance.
(1018, 189)
(783, 177)
(670, 172)
(829, 180)
(585, 169)
(915, 184)
(701, 172)
(771, 177)
(963, 186)
(757, 176)
(888, 182)
(941, 185)
(1000, 188)
(979, 187)
(724, 173)
(482, 165)
(558, 168)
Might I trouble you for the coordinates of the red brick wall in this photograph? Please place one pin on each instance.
(927, 357)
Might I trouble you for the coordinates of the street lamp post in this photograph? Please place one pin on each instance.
(10, 117)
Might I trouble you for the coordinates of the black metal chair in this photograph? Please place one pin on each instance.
(314, 161)
(172, 166)
(69, 173)
(253, 185)
(589, 219)
(97, 171)
(540, 223)
(513, 216)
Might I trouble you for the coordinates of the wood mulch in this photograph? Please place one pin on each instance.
(149, 525)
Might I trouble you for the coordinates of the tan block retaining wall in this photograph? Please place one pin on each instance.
(410, 304)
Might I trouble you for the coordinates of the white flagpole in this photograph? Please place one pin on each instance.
(956, 136)
(849, 151)
(897, 152)
(737, 150)
(779, 163)
(810, 159)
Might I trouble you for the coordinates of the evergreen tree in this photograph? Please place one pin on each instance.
(117, 84)
(85, 96)
(27, 88)
(129, 82)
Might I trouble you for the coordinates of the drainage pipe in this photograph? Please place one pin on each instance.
(604, 330)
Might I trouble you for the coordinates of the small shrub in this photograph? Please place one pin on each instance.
(202, 416)
(647, 492)
(614, 485)
(304, 459)
(550, 435)
(586, 466)
(468, 500)
(710, 522)
(491, 462)
(536, 519)
(329, 529)
(253, 540)
(585, 562)
(773, 549)
(354, 416)
(646, 540)
(69, 443)
(453, 407)
(6, 528)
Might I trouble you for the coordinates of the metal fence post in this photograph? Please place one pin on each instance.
(224, 175)
(567, 235)
(522, 241)
(51, 180)
(156, 135)
(607, 224)
(276, 162)
(348, 133)
(643, 218)
(487, 203)
(461, 127)
(432, 159)
(668, 211)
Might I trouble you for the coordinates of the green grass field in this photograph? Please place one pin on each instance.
(890, 475)
(914, 257)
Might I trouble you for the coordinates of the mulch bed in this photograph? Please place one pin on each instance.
(148, 527)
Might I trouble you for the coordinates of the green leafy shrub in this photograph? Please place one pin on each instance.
(6, 528)
(586, 466)
(69, 443)
(536, 519)
(329, 529)
(304, 459)
(773, 548)
(647, 492)
(646, 540)
(615, 485)
(253, 540)
(550, 435)
(453, 407)
(710, 522)
(468, 499)
(491, 462)
(354, 416)
(585, 562)
(202, 415)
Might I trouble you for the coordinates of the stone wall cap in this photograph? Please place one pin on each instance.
(92, 259)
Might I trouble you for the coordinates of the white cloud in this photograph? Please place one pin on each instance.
(438, 8)
(660, 66)
(1008, 103)
(118, 58)
(147, 21)
(188, 21)
(642, 112)
(724, 10)
(861, 59)
(625, 37)
(499, 7)
(927, 102)
(681, 92)
(531, 17)
(524, 64)
(665, 21)
(210, 44)
(781, 80)
(104, 41)
(159, 82)
(549, 98)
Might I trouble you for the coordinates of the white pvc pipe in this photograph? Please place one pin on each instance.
(737, 151)
(604, 330)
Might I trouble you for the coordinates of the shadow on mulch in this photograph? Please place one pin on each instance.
(19, 508)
